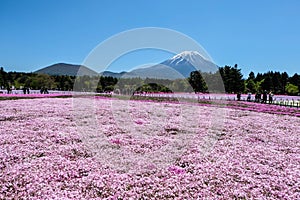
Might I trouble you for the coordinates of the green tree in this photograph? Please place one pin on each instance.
(197, 82)
(291, 89)
(295, 80)
(259, 77)
(267, 84)
(277, 86)
(3, 79)
(42, 81)
(232, 78)
(251, 86)
(284, 81)
(251, 76)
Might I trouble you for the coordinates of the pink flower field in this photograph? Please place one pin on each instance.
(101, 148)
(32, 96)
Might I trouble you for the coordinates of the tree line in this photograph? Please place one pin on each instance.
(275, 82)
(231, 78)
(20, 80)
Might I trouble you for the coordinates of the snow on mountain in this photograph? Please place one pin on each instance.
(191, 56)
(179, 66)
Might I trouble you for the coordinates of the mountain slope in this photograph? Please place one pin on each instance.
(112, 74)
(179, 66)
(67, 69)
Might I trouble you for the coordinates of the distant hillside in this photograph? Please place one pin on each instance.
(113, 74)
(178, 67)
(67, 69)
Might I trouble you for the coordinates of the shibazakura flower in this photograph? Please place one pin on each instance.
(43, 155)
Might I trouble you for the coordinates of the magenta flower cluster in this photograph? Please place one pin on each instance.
(43, 156)
(34, 95)
(257, 107)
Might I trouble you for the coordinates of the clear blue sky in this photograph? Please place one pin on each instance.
(258, 35)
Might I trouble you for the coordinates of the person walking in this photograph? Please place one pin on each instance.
(270, 98)
(238, 96)
(265, 97)
(257, 97)
(249, 96)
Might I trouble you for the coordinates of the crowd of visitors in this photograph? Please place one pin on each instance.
(260, 97)
(26, 90)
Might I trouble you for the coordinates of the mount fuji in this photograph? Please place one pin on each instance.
(179, 66)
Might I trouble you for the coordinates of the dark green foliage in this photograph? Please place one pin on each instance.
(197, 82)
(64, 82)
(35, 81)
(259, 77)
(295, 80)
(251, 76)
(277, 82)
(95, 84)
(3, 79)
(42, 81)
(267, 84)
(153, 87)
(107, 83)
(128, 86)
(232, 79)
(292, 89)
(274, 81)
(251, 86)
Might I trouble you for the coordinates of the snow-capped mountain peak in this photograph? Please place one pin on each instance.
(184, 58)
(185, 54)
(190, 56)
(180, 65)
